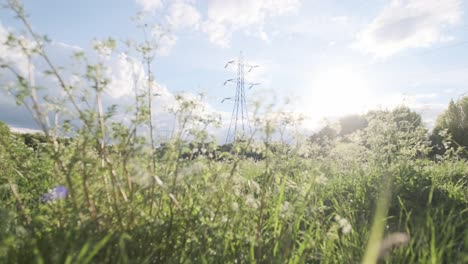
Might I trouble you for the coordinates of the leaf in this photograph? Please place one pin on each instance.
(96, 249)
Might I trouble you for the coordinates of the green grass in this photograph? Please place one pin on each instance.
(279, 210)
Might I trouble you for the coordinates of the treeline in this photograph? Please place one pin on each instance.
(450, 131)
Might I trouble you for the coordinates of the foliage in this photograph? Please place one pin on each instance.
(452, 123)
(352, 123)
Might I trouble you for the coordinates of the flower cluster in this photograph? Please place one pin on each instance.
(344, 224)
(57, 193)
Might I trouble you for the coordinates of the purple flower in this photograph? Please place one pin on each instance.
(57, 193)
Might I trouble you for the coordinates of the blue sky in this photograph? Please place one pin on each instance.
(330, 57)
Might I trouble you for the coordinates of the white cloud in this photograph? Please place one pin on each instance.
(405, 24)
(217, 33)
(126, 74)
(227, 16)
(13, 56)
(235, 13)
(23, 130)
(183, 15)
(179, 15)
(340, 19)
(223, 17)
(67, 46)
(150, 5)
(165, 40)
(281, 7)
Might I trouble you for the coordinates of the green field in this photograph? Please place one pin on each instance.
(297, 203)
(376, 188)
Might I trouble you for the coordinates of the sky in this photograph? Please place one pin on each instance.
(329, 58)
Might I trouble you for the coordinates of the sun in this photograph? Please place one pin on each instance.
(338, 91)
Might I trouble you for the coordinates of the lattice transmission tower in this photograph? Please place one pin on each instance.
(239, 125)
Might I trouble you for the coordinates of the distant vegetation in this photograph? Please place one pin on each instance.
(452, 124)
(376, 187)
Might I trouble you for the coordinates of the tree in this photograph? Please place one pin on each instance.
(454, 122)
(396, 134)
(406, 119)
(323, 135)
(352, 123)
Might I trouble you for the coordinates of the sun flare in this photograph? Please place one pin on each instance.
(338, 91)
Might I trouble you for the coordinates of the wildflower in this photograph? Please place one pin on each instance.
(57, 193)
(346, 229)
(254, 186)
(196, 168)
(251, 201)
(104, 48)
(141, 176)
(321, 179)
(344, 224)
(285, 210)
(303, 150)
(391, 241)
(235, 206)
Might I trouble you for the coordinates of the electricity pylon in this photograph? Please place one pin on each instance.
(240, 116)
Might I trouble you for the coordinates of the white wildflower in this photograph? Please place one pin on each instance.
(321, 179)
(346, 229)
(194, 169)
(254, 185)
(251, 201)
(391, 241)
(285, 209)
(344, 224)
(235, 206)
(103, 48)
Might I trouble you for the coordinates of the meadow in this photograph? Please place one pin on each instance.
(381, 193)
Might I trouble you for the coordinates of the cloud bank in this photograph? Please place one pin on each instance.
(406, 24)
(223, 17)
